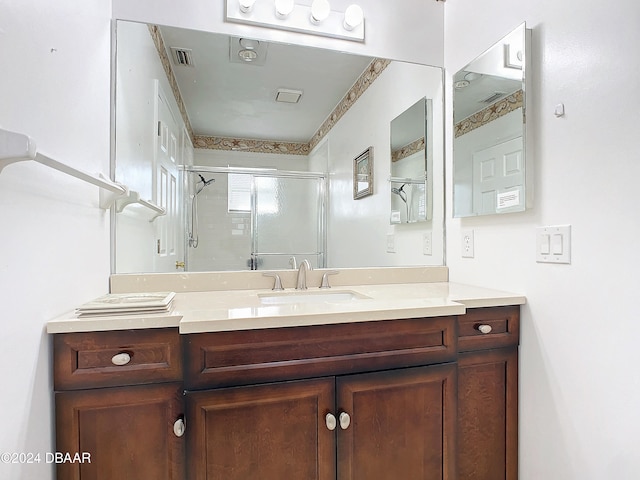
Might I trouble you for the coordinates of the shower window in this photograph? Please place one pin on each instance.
(239, 196)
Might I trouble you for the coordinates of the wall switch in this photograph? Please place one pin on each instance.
(391, 243)
(553, 244)
(426, 243)
(467, 244)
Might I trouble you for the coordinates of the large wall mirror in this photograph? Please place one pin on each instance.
(239, 154)
(490, 167)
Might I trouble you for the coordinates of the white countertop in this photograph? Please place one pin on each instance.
(224, 310)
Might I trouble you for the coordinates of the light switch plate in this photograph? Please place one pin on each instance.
(426, 244)
(467, 244)
(553, 244)
(391, 243)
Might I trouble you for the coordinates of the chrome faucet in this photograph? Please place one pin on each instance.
(301, 283)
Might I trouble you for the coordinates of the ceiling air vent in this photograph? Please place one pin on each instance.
(492, 98)
(182, 56)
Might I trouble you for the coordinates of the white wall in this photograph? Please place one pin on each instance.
(54, 239)
(358, 228)
(579, 388)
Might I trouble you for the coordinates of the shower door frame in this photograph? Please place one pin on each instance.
(272, 173)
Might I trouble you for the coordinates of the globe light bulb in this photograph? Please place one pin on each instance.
(353, 17)
(320, 10)
(246, 5)
(284, 8)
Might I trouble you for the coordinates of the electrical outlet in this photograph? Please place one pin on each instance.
(426, 244)
(391, 243)
(467, 244)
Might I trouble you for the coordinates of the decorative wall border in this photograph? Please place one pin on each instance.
(403, 152)
(249, 145)
(158, 41)
(489, 114)
(365, 80)
(371, 73)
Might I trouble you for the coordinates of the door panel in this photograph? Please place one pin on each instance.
(488, 415)
(402, 424)
(169, 248)
(272, 431)
(127, 431)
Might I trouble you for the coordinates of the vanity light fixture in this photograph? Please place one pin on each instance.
(312, 17)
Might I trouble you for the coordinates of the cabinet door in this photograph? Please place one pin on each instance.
(267, 432)
(125, 432)
(488, 415)
(402, 424)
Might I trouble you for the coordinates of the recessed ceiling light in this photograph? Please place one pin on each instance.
(248, 55)
(285, 95)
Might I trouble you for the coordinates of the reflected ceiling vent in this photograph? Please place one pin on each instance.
(182, 56)
(285, 95)
(247, 51)
(492, 98)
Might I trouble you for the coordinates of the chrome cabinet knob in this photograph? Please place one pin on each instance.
(179, 427)
(345, 420)
(121, 359)
(484, 328)
(330, 421)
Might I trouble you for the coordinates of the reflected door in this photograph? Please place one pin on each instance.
(498, 178)
(287, 222)
(168, 247)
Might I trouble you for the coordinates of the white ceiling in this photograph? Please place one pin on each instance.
(233, 99)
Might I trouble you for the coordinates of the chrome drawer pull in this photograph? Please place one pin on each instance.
(330, 421)
(345, 420)
(485, 328)
(121, 359)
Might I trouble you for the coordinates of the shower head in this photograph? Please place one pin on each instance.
(400, 192)
(204, 183)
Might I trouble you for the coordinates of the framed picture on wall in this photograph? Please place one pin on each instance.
(363, 174)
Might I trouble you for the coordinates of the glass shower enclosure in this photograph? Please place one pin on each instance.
(253, 219)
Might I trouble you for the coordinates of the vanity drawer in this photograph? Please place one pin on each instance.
(123, 357)
(265, 355)
(485, 328)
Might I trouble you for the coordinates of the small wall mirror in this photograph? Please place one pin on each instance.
(410, 143)
(490, 173)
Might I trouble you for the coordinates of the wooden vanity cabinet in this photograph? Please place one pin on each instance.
(120, 418)
(423, 398)
(488, 394)
(349, 423)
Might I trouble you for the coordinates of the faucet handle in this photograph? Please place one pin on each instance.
(277, 284)
(325, 278)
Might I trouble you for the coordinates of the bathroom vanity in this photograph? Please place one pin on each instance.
(337, 396)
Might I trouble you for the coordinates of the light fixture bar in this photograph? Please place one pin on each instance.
(263, 14)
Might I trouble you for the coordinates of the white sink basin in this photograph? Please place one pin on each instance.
(309, 297)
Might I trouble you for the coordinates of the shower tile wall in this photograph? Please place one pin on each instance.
(224, 237)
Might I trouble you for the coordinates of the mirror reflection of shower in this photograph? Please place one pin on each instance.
(252, 218)
(403, 196)
(193, 231)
